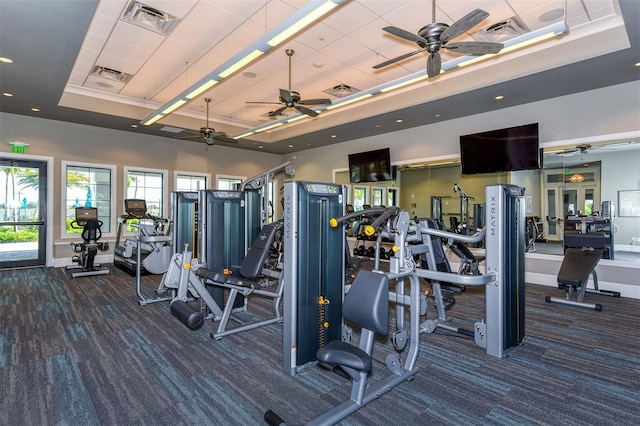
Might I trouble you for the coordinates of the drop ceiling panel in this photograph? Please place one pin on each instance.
(340, 48)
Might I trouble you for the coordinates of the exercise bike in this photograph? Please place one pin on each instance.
(87, 220)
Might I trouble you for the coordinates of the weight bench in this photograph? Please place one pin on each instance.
(578, 264)
(247, 282)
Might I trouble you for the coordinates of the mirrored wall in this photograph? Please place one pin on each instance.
(575, 179)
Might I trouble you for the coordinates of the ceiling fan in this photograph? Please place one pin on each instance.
(586, 148)
(436, 36)
(209, 135)
(291, 99)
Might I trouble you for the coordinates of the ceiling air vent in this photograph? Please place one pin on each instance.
(341, 90)
(501, 31)
(149, 18)
(110, 74)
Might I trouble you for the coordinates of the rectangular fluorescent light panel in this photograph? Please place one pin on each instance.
(241, 63)
(300, 24)
(201, 89)
(175, 106)
(359, 98)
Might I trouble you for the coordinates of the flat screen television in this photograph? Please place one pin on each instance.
(503, 150)
(370, 166)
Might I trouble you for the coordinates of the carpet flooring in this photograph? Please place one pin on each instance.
(84, 352)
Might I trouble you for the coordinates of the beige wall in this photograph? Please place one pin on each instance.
(78, 143)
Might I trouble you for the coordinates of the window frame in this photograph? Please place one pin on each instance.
(179, 173)
(113, 170)
(218, 177)
(165, 190)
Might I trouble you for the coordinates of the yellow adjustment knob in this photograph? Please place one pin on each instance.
(325, 324)
(395, 248)
(187, 266)
(369, 230)
(186, 246)
(333, 222)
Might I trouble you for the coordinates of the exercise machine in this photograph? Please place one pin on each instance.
(229, 221)
(583, 250)
(365, 303)
(149, 250)
(257, 273)
(314, 268)
(85, 265)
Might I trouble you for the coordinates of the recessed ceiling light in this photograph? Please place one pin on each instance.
(499, 97)
(260, 146)
(333, 136)
(35, 109)
(135, 126)
(290, 146)
(551, 15)
(637, 64)
(249, 74)
(378, 126)
(6, 60)
(7, 94)
(399, 120)
(437, 115)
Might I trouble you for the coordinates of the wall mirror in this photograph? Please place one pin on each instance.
(576, 178)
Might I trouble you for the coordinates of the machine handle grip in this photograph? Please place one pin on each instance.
(374, 211)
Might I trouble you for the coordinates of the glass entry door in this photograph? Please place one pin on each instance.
(23, 211)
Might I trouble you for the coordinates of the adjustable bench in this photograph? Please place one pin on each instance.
(578, 264)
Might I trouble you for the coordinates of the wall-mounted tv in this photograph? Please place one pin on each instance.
(370, 166)
(503, 150)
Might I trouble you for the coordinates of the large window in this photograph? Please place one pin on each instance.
(228, 182)
(148, 185)
(189, 181)
(87, 185)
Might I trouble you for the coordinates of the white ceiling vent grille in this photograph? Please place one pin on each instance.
(501, 31)
(110, 74)
(149, 18)
(341, 90)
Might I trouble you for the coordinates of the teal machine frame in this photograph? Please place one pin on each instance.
(313, 271)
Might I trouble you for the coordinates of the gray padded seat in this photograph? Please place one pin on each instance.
(366, 305)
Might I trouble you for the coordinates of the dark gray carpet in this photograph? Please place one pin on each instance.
(83, 352)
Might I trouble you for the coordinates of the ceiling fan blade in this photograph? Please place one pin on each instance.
(277, 112)
(307, 111)
(398, 59)
(463, 25)
(264, 103)
(315, 102)
(399, 32)
(475, 47)
(434, 65)
(285, 95)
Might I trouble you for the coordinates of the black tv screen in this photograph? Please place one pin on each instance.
(503, 150)
(370, 166)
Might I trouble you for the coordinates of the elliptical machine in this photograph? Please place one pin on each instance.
(87, 220)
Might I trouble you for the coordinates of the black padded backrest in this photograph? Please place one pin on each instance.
(367, 302)
(442, 263)
(253, 261)
(91, 230)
